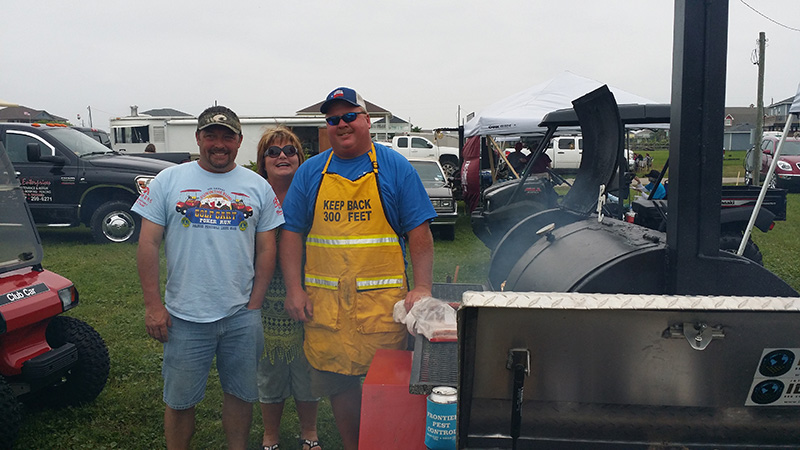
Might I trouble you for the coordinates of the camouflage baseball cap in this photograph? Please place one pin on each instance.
(219, 115)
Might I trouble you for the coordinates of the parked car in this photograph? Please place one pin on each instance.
(418, 147)
(787, 171)
(440, 191)
(173, 157)
(46, 358)
(70, 179)
(96, 134)
(565, 152)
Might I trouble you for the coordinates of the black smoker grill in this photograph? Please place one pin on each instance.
(624, 337)
(572, 249)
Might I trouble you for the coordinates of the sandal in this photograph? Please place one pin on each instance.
(270, 447)
(311, 444)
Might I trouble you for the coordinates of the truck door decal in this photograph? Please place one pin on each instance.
(36, 190)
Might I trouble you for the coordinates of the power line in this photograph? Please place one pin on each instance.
(769, 18)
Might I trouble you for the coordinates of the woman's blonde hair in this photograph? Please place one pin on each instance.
(273, 136)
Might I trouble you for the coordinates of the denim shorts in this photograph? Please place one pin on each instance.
(279, 381)
(237, 341)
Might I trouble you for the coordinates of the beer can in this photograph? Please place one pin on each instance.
(440, 425)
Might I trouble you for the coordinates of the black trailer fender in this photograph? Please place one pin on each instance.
(740, 217)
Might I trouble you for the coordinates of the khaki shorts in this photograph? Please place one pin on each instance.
(326, 384)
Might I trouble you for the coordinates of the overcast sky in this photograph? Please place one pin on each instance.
(419, 59)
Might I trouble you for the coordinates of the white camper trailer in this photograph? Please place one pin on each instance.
(177, 134)
(131, 134)
(310, 131)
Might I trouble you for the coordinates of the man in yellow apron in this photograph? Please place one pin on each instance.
(351, 205)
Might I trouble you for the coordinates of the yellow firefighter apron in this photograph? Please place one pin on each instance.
(354, 275)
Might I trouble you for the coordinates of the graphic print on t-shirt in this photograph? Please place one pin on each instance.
(213, 208)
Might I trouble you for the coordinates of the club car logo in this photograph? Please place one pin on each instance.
(21, 294)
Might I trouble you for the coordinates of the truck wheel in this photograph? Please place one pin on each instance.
(730, 243)
(450, 166)
(84, 382)
(11, 414)
(114, 222)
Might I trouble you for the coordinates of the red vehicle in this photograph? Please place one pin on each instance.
(787, 171)
(44, 357)
(238, 205)
(191, 202)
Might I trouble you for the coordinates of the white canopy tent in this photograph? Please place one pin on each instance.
(521, 113)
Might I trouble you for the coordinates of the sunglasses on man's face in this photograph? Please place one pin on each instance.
(275, 151)
(348, 117)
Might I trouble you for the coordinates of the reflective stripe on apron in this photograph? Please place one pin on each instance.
(354, 275)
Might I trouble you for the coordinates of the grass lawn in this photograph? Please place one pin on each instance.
(781, 246)
(129, 412)
(732, 163)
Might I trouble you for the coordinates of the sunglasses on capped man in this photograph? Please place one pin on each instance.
(348, 117)
(274, 151)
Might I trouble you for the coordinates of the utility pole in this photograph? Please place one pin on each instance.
(90, 116)
(755, 157)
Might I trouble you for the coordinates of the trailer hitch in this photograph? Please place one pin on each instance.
(698, 334)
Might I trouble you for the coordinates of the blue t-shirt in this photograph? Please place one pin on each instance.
(660, 191)
(211, 220)
(406, 203)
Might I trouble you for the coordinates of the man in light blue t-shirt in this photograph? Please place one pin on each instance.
(218, 222)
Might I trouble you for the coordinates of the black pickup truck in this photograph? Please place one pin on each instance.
(173, 157)
(70, 179)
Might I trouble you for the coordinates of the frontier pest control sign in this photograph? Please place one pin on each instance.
(777, 379)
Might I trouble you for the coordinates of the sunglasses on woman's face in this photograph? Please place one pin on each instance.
(348, 117)
(275, 151)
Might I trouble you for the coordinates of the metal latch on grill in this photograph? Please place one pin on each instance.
(698, 334)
